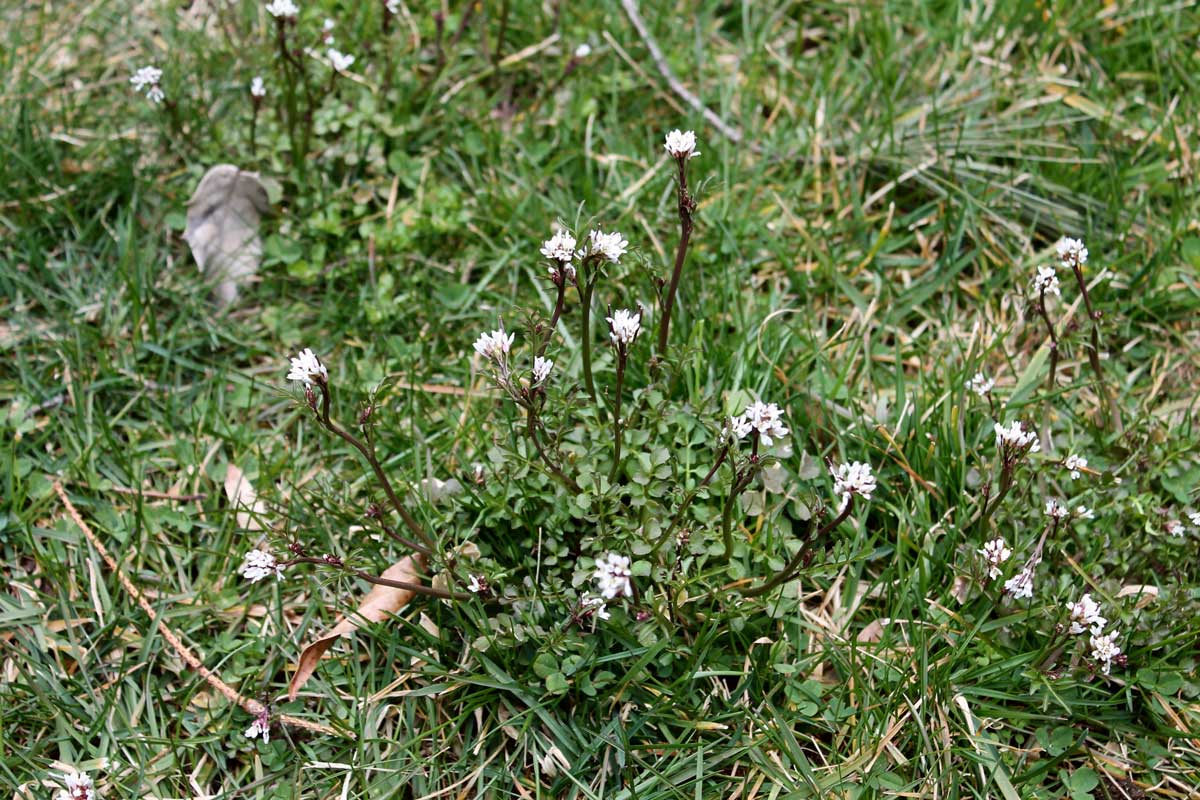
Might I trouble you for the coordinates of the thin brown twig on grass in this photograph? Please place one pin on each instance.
(248, 704)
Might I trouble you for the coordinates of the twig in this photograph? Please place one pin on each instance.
(631, 11)
(193, 661)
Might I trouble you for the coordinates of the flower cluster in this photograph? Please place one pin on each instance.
(78, 787)
(261, 726)
(995, 553)
(594, 604)
(1056, 510)
(494, 346)
(682, 144)
(1105, 649)
(339, 60)
(1071, 252)
(148, 78)
(624, 326)
(1046, 282)
(258, 90)
(762, 419)
(1014, 441)
(541, 369)
(608, 246)
(306, 367)
(981, 384)
(855, 478)
(258, 565)
(560, 248)
(612, 576)
(1085, 614)
(283, 9)
(1021, 584)
(1075, 464)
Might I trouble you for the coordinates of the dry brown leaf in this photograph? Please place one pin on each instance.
(1145, 594)
(222, 227)
(380, 603)
(244, 499)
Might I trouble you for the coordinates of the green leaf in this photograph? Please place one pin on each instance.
(556, 683)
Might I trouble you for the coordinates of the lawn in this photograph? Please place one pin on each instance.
(881, 198)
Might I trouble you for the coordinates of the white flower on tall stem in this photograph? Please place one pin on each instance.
(259, 564)
(393, 7)
(609, 246)
(1083, 512)
(148, 78)
(560, 247)
(624, 326)
(682, 144)
(1075, 464)
(583, 51)
(495, 345)
(1046, 282)
(1105, 649)
(613, 576)
(258, 89)
(339, 60)
(981, 384)
(1085, 614)
(1194, 518)
(541, 369)
(1014, 438)
(995, 553)
(855, 478)
(1055, 509)
(475, 585)
(78, 786)
(283, 9)
(764, 418)
(1071, 252)
(308, 368)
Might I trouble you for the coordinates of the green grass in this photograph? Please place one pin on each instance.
(910, 168)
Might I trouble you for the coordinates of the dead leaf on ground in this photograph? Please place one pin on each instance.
(244, 499)
(222, 227)
(1145, 594)
(380, 603)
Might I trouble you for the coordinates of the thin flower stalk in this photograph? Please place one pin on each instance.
(687, 208)
(804, 555)
(531, 430)
(687, 500)
(1073, 254)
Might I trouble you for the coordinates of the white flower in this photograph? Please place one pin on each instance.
(338, 60)
(624, 326)
(474, 585)
(1075, 463)
(259, 728)
(612, 576)
(560, 247)
(1175, 527)
(307, 367)
(283, 9)
(148, 78)
(995, 552)
(610, 246)
(765, 418)
(541, 369)
(1046, 281)
(1105, 649)
(1083, 512)
(1055, 509)
(594, 604)
(1086, 614)
(583, 51)
(494, 345)
(981, 384)
(1021, 584)
(1071, 252)
(737, 427)
(1015, 437)
(258, 565)
(852, 479)
(257, 87)
(79, 787)
(1194, 517)
(393, 7)
(682, 144)
(328, 25)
